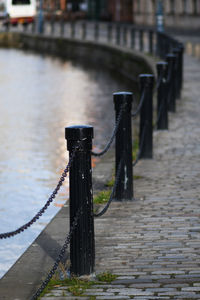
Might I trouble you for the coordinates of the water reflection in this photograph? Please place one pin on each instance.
(40, 96)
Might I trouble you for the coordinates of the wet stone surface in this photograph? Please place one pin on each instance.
(152, 243)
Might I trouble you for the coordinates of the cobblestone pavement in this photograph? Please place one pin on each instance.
(153, 243)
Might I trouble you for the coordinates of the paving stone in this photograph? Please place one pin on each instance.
(112, 297)
(153, 243)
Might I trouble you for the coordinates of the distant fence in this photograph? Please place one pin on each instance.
(166, 88)
(126, 35)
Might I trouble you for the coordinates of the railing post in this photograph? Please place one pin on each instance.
(151, 41)
(141, 41)
(62, 26)
(158, 43)
(96, 31)
(132, 37)
(72, 29)
(82, 253)
(52, 24)
(84, 28)
(171, 59)
(33, 27)
(118, 33)
(162, 107)
(181, 47)
(123, 146)
(109, 32)
(176, 52)
(124, 36)
(146, 116)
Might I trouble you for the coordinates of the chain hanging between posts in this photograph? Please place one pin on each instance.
(59, 258)
(135, 113)
(158, 116)
(159, 80)
(113, 134)
(141, 146)
(44, 208)
(101, 213)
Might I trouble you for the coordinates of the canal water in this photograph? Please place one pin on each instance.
(39, 97)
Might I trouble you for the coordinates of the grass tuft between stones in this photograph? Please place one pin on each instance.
(77, 286)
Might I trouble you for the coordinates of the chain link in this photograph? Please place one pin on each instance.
(141, 146)
(159, 80)
(113, 134)
(135, 113)
(101, 213)
(59, 257)
(44, 208)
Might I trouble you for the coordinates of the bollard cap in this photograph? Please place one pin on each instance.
(79, 132)
(176, 50)
(161, 66)
(181, 47)
(123, 98)
(170, 57)
(162, 63)
(146, 80)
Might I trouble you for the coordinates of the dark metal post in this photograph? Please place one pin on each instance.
(52, 24)
(124, 36)
(132, 37)
(84, 32)
(146, 116)
(123, 146)
(171, 59)
(41, 18)
(62, 26)
(162, 107)
(109, 32)
(96, 31)
(82, 253)
(150, 41)
(72, 29)
(158, 43)
(118, 33)
(141, 41)
(33, 26)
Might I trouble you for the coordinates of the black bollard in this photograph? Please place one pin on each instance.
(146, 116)
(171, 59)
(82, 246)
(123, 146)
(162, 107)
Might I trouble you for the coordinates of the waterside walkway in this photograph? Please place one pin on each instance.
(153, 243)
